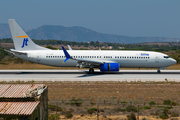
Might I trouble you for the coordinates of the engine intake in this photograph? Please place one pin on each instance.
(109, 67)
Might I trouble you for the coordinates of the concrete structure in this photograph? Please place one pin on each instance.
(24, 101)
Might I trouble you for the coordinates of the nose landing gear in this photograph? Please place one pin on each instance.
(91, 70)
(158, 71)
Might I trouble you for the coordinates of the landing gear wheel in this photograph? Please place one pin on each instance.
(158, 71)
(91, 70)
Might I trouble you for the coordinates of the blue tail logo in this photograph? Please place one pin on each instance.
(25, 42)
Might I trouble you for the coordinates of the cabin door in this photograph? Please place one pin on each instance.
(157, 58)
(38, 57)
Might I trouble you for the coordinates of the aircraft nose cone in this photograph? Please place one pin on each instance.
(173, 61)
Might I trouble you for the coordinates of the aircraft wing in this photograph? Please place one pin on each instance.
(80, 60)
(89, 61)
(15, 51)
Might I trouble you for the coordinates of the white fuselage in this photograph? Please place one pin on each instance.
(126, 59)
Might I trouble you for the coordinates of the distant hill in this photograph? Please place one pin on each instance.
(80, 34)
(4, 31)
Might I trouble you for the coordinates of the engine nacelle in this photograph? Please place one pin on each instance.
(109, 67)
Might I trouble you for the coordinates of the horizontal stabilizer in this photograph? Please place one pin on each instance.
(15, 51)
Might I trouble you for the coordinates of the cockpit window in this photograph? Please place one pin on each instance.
(166, 57)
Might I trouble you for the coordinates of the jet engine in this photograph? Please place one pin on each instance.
(109, 67)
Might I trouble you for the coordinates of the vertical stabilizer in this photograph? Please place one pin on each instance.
(21, 39)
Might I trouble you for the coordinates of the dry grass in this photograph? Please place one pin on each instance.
(114, 92)
(109, 95)
(174, 67)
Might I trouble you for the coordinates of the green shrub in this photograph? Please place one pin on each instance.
(173, 103)
(141, 108)
(132, 116)
(53, 117)
(166, 102)
(164, 116)
(147, 107)
(122, 110)
(152, 103)
(50, 47)
(131, 108)
(123, 103)
(75, 101)
(168, 107)
(53, 107)
(69, 115)
(175, 115)
(91, 110)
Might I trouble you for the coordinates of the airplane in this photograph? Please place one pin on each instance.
(105, 60)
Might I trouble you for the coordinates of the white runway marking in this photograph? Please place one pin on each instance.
(82, 75)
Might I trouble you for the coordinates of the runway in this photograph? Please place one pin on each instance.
(82, 75)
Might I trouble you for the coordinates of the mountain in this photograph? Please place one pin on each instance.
(80, 34)
(4, 31)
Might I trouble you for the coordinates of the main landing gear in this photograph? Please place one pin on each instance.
(158, 71)
(91, 70)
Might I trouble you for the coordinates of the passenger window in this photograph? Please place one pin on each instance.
(132, 57)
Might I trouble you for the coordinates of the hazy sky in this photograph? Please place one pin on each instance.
(160, 18)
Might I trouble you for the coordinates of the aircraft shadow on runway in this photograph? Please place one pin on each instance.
(122, 73)
(86, 74)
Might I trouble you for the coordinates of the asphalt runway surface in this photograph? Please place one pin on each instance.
(83, 75)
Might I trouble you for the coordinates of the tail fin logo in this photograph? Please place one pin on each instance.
(25, 42)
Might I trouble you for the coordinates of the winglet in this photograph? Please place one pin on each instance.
(66, 54)
(69, 47)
